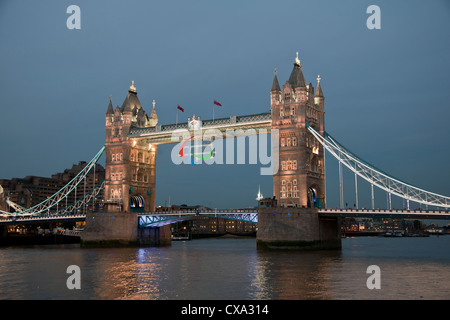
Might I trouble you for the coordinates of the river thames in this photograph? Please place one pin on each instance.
(220, 269)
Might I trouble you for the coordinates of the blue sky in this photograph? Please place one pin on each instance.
(387, 91)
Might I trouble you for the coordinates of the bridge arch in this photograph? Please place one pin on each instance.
(137, 203)
(314, 198)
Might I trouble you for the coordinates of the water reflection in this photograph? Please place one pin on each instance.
(293, 275)
(230, 269)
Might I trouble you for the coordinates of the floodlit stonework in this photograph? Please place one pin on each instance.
(130, 164)
(300, 180)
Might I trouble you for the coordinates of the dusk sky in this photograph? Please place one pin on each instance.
(386, 91)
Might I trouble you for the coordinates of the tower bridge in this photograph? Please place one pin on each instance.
(298, 216)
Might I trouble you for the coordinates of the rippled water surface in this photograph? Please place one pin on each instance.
(211, 269)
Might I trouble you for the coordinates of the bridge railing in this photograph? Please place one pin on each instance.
(230, 121)
(384, 210)
(200, 211)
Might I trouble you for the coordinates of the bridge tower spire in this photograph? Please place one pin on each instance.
(300, 180)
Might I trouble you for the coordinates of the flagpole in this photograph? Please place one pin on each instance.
(177, 117)
(213, 113)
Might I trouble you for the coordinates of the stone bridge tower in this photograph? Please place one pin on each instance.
(300, 180)
(130, 164)
(299, 184)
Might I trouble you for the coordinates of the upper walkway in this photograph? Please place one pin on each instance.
(162, 134)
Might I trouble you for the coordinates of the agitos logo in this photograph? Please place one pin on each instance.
(217, 147)
(193, 154)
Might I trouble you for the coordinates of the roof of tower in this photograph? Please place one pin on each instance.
(297, 79)
(319, 92)
(275, 84)
(110, 107)
(131, 101)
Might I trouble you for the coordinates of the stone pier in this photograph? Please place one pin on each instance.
(112, 229)
(296, 229)
(155, 236)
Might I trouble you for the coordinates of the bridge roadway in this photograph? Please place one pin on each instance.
(249, 215)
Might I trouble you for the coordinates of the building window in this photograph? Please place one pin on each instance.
(282, 142)
(114, 157)
(287, 111)
(294, 165)
(294, 141)
(283, 182)
(288, 142)
(289, 165)
(132, 156)
(283, 165)
(139, 158)
(294, 182)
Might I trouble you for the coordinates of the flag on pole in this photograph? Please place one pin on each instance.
(180, 108)
(217, 103)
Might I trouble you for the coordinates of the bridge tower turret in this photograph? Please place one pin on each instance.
(300, 180)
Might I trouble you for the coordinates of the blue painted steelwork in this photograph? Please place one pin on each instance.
(160, 219)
